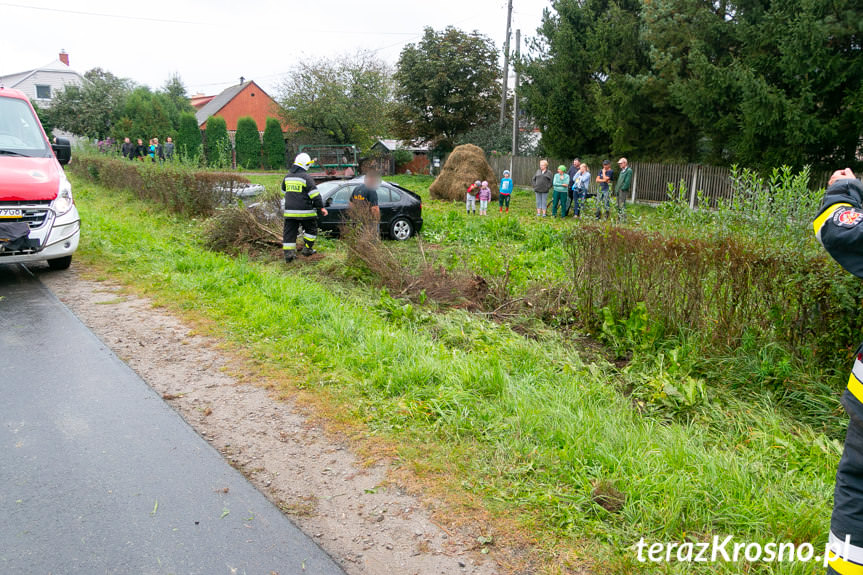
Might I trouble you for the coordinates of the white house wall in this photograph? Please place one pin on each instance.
(56, 79)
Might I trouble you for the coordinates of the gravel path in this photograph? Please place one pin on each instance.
(367, 527)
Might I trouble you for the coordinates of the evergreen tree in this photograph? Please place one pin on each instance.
(217, 144)
(755, 83)
(175, 90)
(189, 137)
(274, 145)
(248, 143)
(589, 85)
(767, 83)
(147, 114)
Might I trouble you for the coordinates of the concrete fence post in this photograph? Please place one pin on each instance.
(634, 184)
(693, 187)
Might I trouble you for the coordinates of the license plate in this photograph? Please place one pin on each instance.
(8, 214)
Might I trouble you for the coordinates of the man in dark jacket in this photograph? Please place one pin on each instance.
(127, 148)
(542, 181)
(366, 194)
(302, 200)
(838, 228)
(169, 149)
(140, 151)
(159, 151)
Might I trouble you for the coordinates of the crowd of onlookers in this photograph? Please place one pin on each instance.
(569, 188)
(153, 151)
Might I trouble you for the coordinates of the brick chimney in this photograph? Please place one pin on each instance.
(64, 57)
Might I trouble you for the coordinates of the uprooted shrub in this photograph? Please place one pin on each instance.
(721, 288)
(428, 280)
(236, 229)
(179, 188)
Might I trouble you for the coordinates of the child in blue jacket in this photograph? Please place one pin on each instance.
(505, 191)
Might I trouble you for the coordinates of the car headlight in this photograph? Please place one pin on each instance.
(64, 201)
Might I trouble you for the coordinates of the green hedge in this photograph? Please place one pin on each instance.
(725, 290)
(274, 145)
(179, 188)
(189, 137)
(217, 144)
(248, 143)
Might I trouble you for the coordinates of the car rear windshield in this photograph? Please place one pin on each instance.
(326, 187)
(20, 132)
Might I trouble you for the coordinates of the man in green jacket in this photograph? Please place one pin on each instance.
(624, 187)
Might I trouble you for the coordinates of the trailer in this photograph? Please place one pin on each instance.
(332, 162)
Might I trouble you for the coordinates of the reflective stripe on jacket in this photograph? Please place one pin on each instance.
(838, 226)
(302, 198)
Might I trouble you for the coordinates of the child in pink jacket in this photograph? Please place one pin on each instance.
(484, 198)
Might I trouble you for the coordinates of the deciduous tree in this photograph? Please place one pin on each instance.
(92, 109)
(446, 84)
(342, 101)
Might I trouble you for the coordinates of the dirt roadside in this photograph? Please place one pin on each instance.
(353, 511)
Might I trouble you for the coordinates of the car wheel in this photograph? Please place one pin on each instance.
(60, 263)
(401, 229)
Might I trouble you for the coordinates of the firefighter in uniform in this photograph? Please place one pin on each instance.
(302, 200)
(839, 228)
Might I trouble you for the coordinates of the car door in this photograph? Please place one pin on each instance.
(388, 203)
(337, 205)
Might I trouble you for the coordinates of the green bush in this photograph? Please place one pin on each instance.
(179, 188)
(723, 288)
(216, 143)
(189, 138)
(248, 143)
(274, 145)
(402, 157)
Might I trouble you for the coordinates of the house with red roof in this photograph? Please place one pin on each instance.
(243, 99)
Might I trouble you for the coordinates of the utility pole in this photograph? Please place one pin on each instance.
(506, 64)
(515, 100)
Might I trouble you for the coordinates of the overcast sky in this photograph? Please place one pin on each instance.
(211, 43)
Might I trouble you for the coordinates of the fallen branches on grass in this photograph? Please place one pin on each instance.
(458, 287)
(237, 229)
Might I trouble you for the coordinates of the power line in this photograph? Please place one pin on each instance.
(161, 20)
(413, 35)
(98, 14)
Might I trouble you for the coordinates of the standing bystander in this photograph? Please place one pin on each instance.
(542, 182)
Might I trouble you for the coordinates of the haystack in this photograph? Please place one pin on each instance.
(465, 165)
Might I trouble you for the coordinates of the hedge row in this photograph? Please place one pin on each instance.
(179, 188)
(723, 290)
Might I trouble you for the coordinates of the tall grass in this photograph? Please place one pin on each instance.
(533, 429)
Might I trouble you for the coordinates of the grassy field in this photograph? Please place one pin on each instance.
(534, 424)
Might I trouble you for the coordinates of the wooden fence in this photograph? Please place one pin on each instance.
(650, 181)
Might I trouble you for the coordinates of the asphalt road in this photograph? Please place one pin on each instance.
(99, 475)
